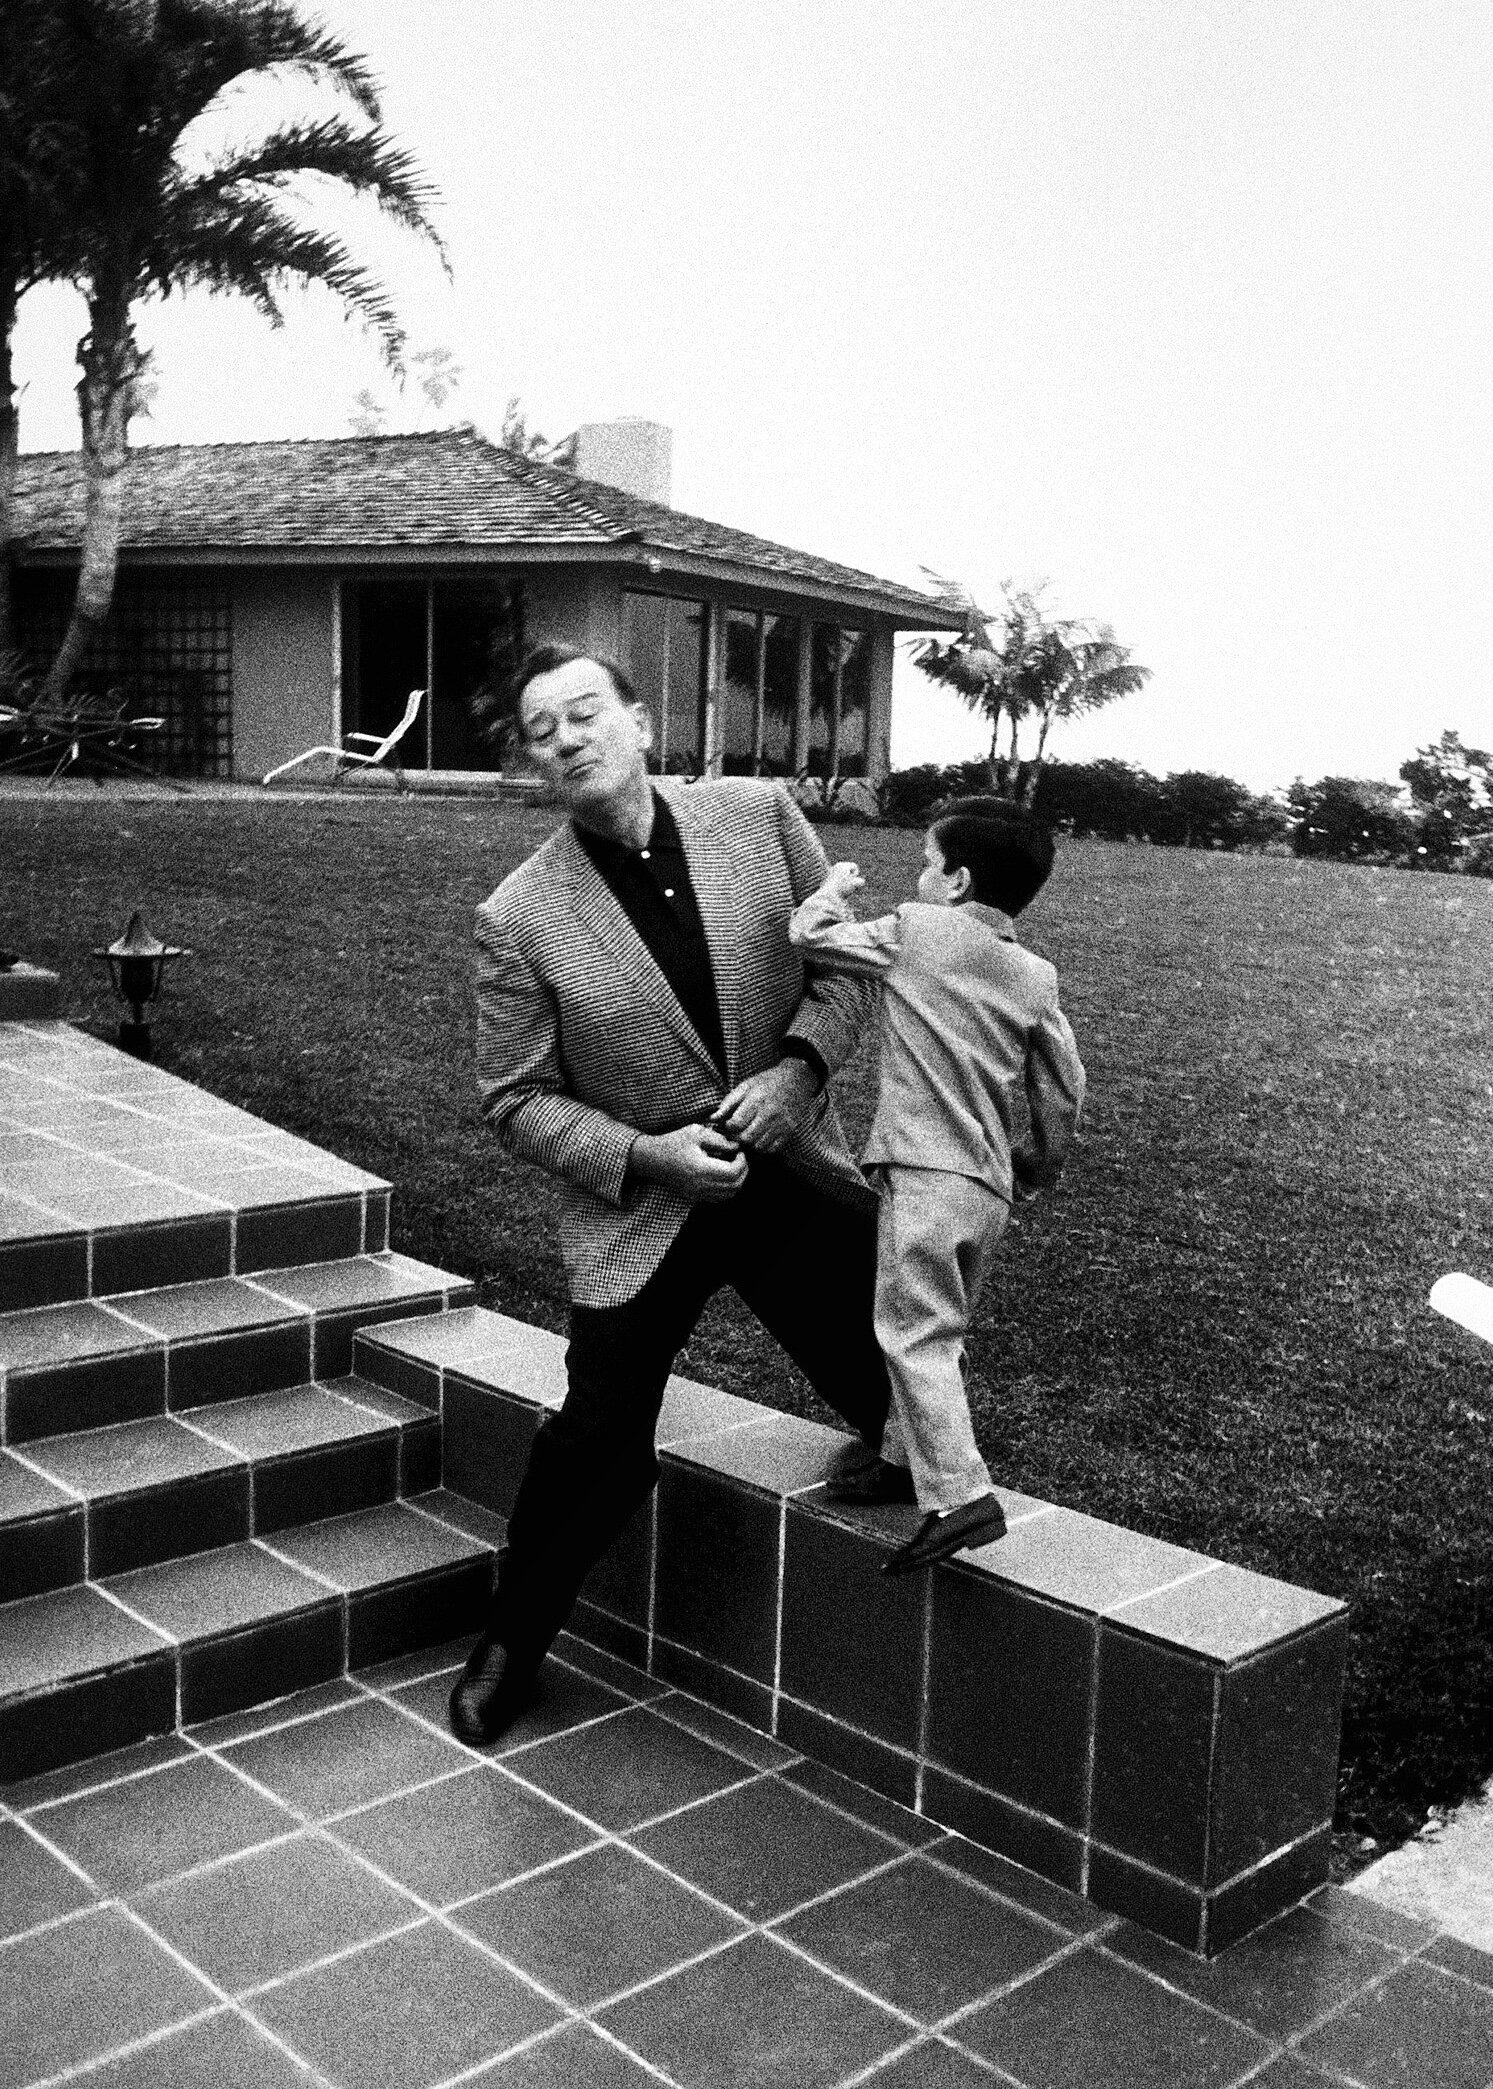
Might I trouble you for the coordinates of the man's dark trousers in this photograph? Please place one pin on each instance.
(803, 1262)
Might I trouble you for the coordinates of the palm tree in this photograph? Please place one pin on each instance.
(153, 218)
(1033, 666)
(41, 153)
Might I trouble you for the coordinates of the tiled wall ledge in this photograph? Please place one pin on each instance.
(28, 993)
(1150, 1727)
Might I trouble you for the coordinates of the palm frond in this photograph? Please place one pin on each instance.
(368, 163)
(255, 249)
(212, 44)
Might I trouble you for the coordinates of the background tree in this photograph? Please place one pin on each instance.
(520, 440)
(1349, 817)
(1024, 665)
(1451, 788)
(152, 218)
(435, 376)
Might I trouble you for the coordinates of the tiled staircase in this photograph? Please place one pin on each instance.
(200, 1506)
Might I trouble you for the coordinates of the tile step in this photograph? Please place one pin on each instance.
(119, 1176)
(89, 1363)
(98, 1665)
(100, 1502)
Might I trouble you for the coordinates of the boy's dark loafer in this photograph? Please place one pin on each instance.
(490, 1693)
(977, 1523)
(872, 1484)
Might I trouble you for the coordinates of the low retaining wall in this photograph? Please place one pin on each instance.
(1147, 1726)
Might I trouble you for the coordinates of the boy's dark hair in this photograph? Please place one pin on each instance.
(543, 660)
(1006, 850)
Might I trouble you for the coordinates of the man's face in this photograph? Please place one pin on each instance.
(587, 743)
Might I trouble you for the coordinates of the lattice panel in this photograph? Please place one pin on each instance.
(167, 647)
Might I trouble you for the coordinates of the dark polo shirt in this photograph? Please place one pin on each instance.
(652, 886)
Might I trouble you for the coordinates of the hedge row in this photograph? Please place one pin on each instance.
(1345, 818)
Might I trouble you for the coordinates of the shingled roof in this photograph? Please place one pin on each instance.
(452, 494)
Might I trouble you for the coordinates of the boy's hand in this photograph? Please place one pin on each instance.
(697, 1162)
(844, 879)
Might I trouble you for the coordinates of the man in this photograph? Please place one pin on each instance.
(646, 1032)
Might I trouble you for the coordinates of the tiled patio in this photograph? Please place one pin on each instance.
(246, 1452)
(630, 1888)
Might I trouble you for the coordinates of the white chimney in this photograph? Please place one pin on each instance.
(635, 456)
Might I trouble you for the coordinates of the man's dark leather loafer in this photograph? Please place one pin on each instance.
(490, 1693)
(977, 1523)
(872, 1484)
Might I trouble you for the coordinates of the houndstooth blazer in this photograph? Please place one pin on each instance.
(581, 1043)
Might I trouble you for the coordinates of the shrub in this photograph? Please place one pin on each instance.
(1351, 819)
(908, 797)
(1110, 799)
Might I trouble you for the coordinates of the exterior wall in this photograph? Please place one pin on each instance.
(286, 653)
(879, 704)
(285, 667)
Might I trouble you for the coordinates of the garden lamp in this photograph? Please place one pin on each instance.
(137, 964)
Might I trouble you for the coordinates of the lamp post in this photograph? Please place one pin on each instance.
(137, 963)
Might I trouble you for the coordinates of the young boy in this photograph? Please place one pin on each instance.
(970, 1023)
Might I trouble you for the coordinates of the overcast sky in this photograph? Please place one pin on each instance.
(1179, 304)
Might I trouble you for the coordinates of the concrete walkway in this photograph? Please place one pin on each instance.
(1445, 1876)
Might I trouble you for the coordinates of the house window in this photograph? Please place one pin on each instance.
(459, 638)
(839, 691)
(384, 658)
(759, 693)
(663, 649)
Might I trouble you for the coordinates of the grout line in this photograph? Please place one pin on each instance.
(652, 1575)
(903, 1755)
(418, 1918)
(53, 1922)
(1215, 1722)
(105, 1784)
(1059, 1956)
(213, 1988)
(109, 1595)
(1117, 1610)
(321, 1580)
(775, 1701)
(925, 1697)
(53, 1479)
(80, 2070)
(540, 2038)
(1090, 1762)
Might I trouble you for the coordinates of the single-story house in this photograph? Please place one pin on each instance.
(273, 596)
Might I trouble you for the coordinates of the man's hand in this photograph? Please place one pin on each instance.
(764, 1110)
(697, 1162)
(844, 881)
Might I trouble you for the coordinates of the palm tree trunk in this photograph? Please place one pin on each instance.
(10, 443)
(109, 396)
(1032, 774)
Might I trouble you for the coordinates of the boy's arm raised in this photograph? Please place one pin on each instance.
(823, 928)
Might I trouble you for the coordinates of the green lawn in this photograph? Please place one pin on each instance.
(1216, 1331)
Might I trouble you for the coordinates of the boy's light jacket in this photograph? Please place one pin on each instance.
(582, 1043)
(979, 1072)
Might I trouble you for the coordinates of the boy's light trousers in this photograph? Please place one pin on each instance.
(936, 1238)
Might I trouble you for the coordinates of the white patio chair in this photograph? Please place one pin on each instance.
(345, 755)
